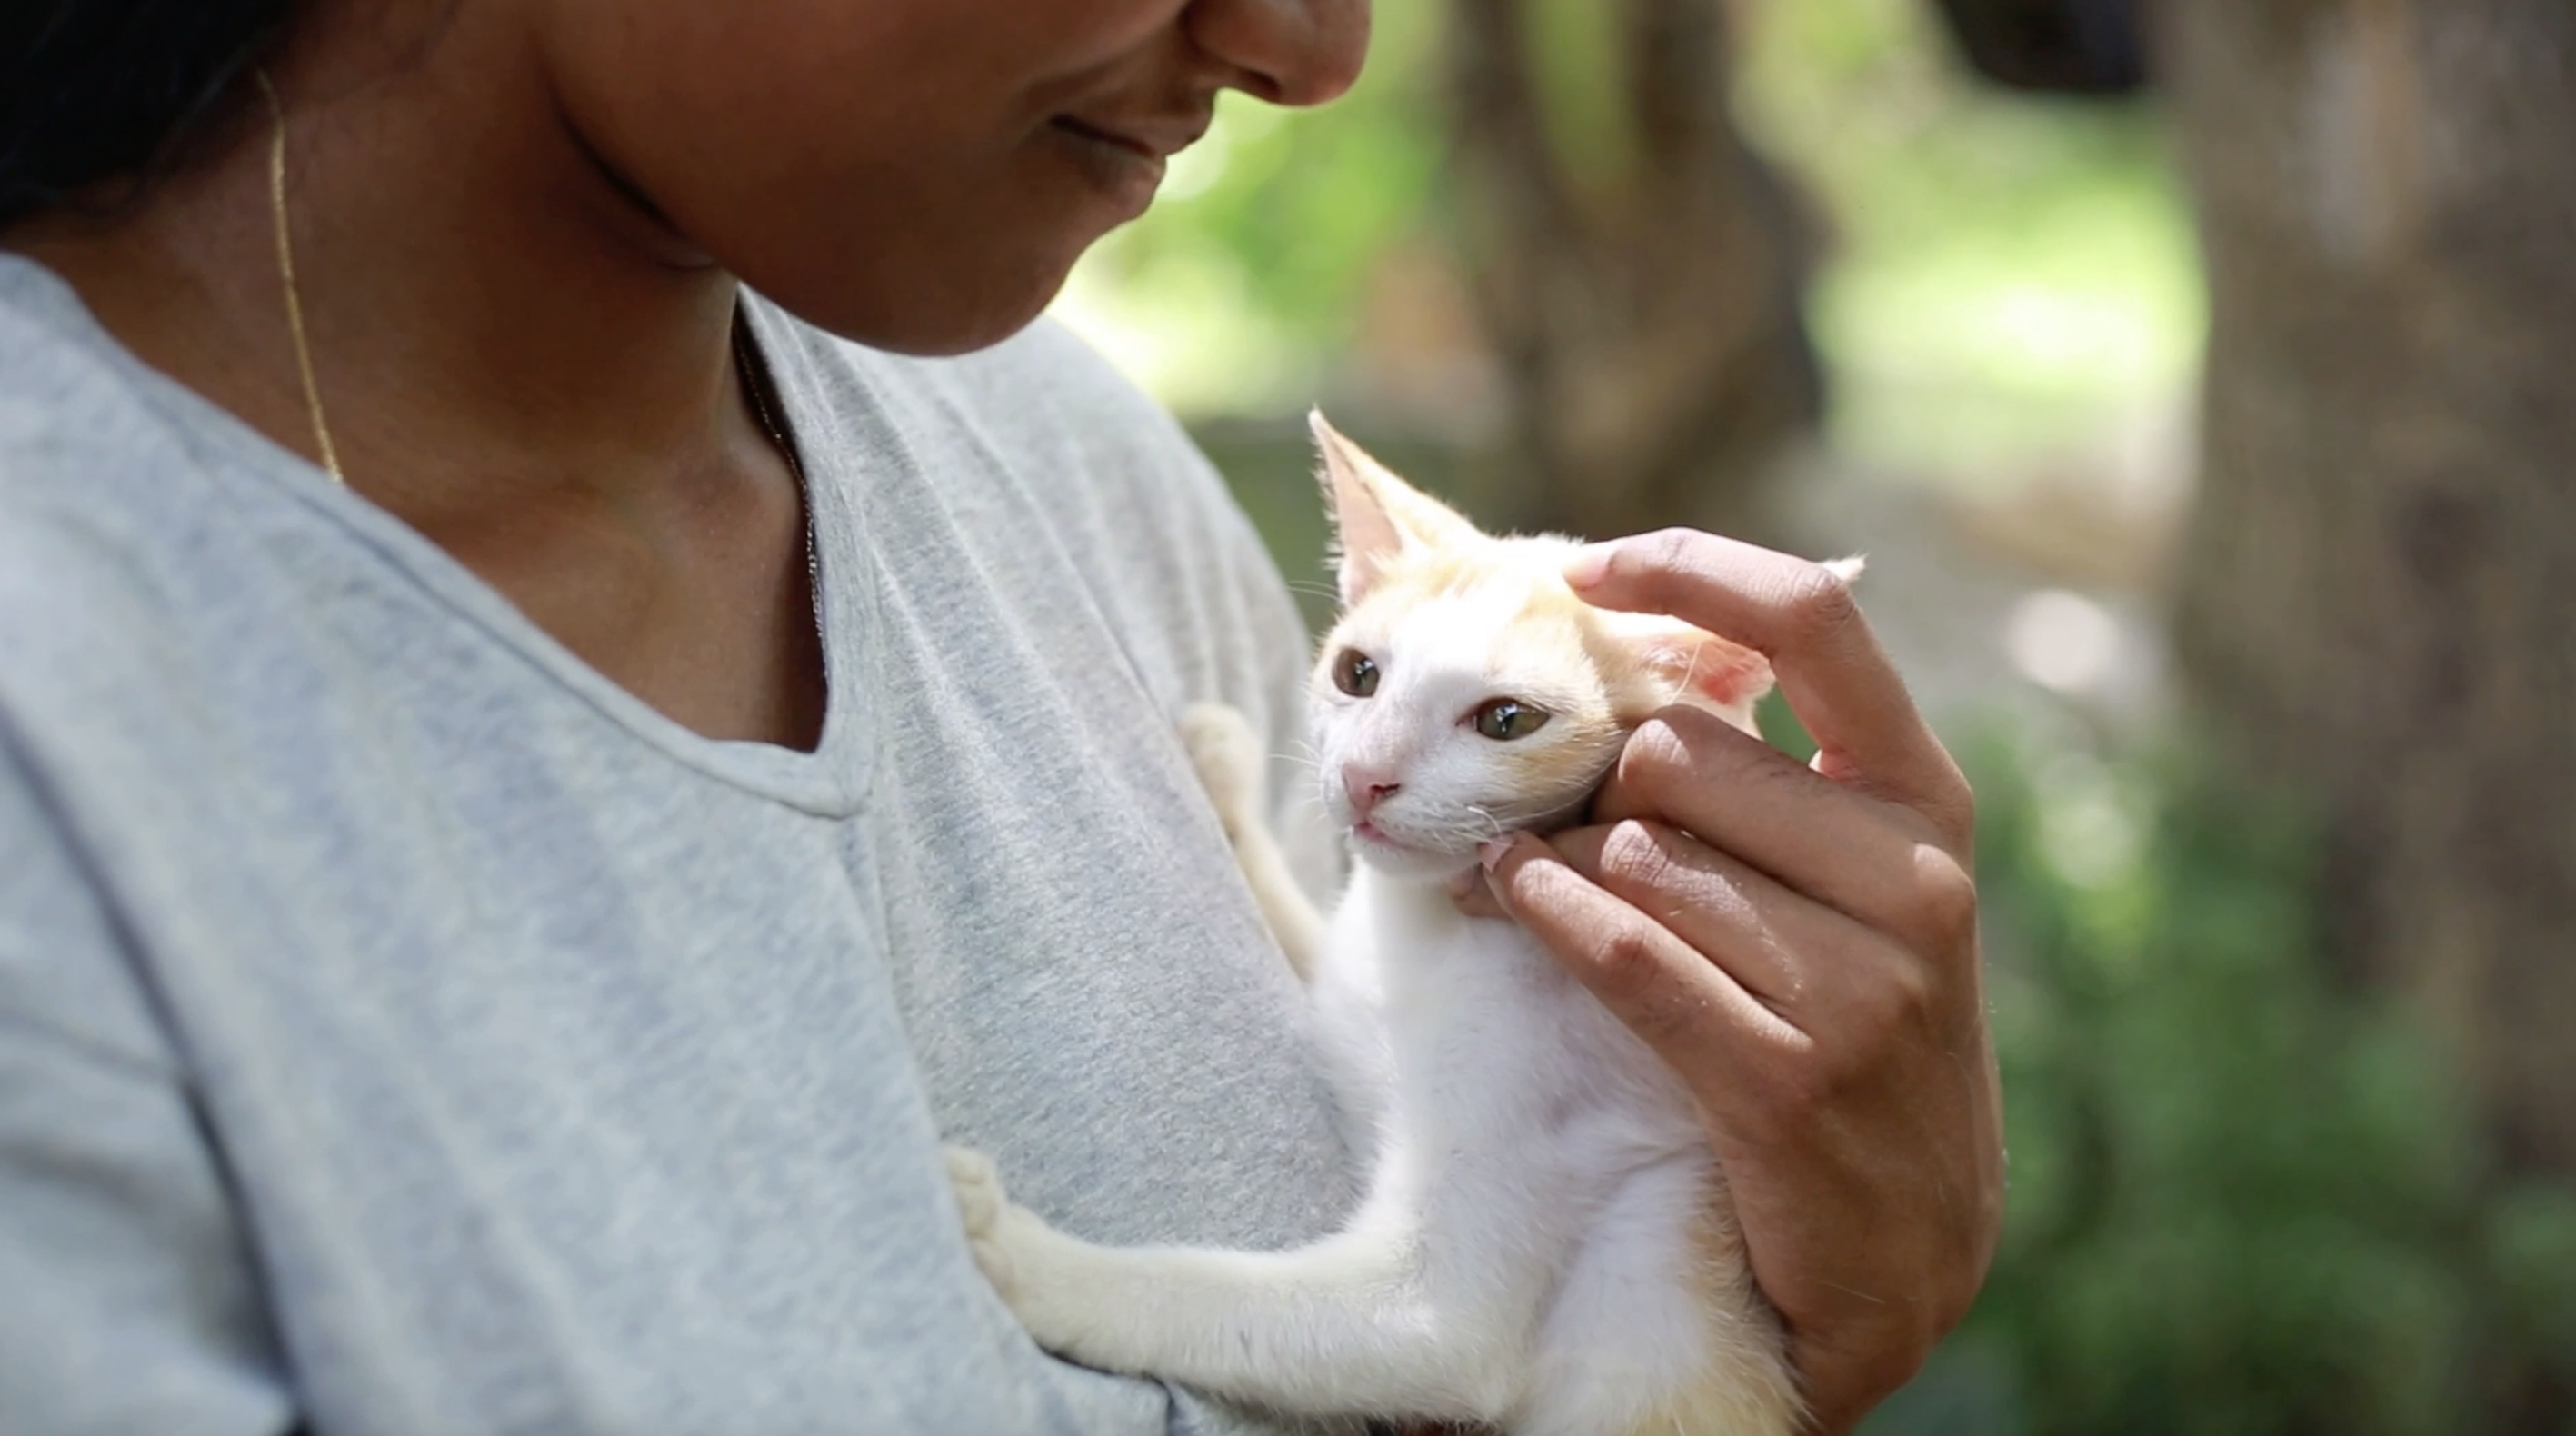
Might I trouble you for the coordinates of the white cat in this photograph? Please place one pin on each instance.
(1545, 1244)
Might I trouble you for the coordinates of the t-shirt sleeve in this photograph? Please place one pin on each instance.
(127, 1299)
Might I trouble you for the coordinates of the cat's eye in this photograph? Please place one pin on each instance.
(1355, 673)
(1505, 719)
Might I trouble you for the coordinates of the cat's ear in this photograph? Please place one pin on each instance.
(1375, 514)
(1697, 666)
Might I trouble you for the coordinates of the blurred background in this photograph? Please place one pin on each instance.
(2200, 378)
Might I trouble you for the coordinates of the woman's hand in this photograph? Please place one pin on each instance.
(1800, 943)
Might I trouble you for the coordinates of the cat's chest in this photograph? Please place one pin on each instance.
(1473, 1016)
(1491, 1053)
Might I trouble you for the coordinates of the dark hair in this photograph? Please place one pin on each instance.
(99, 90)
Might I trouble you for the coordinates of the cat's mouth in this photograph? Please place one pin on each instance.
(1414, 856)
(1412, 846)
(1412, 861)
(1459, 843)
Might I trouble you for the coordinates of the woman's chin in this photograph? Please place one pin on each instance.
(970, 303)
(930, 331)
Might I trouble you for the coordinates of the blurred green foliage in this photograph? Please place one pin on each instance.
(2010, 274)
(2245, 1200)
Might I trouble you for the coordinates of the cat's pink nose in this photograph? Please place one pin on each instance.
(1367, 788)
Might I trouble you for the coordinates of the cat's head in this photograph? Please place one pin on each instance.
(1465, 691)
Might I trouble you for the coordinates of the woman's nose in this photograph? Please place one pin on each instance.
(1289, 52)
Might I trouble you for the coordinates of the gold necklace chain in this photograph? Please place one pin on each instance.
(751, 374)
(286, 277)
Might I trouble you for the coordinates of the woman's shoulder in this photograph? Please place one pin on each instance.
(168, 579)
(110, 471)
(70, 412)
(98, 501)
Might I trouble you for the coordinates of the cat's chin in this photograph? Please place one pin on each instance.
(1416, 865)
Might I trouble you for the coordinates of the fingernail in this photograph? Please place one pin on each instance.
(1588, 564)
(1491, 850)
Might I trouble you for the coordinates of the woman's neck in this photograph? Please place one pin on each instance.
(515, 356)
(493, 319)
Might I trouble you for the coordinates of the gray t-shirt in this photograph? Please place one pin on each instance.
(405, 1030)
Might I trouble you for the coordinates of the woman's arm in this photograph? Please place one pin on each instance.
(1814, 975)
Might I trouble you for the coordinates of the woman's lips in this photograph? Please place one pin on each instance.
(1127, 171)
(1126, 157)
(1156, 136)
(1090, 131)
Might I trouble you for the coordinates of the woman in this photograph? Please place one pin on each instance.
(536, 787)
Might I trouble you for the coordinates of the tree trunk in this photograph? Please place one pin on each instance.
(2379, 589)
(1635, 265)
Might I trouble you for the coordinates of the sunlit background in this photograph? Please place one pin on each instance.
(2260, 1184)
(2008, 304)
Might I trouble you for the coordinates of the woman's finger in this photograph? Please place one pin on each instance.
(1799, 957)
(1845, 995)
(1721, 909)
(1692, 1012)
(1879, 862)
(1802, 617)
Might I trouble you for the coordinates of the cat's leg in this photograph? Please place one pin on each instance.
(1657, 1329)
(1231, 763)
(1347, 1326)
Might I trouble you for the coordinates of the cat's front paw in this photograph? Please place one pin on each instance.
(1230, 762)
(1038, 1272)
(981, 1207)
